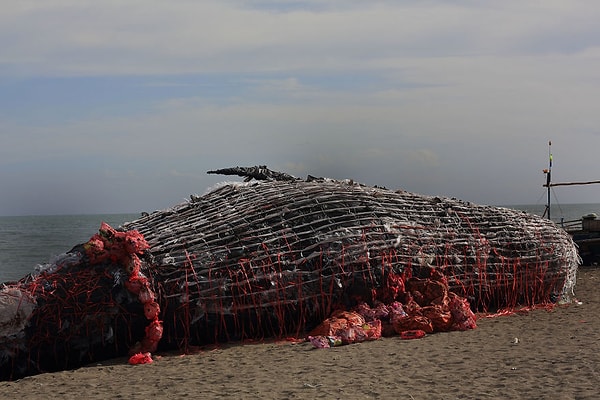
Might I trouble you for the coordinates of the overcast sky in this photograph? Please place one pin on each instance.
(122, 106)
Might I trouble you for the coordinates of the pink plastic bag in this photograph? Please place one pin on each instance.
(140, 358)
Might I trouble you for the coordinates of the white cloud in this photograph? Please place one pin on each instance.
(429, 96)
(155, 37)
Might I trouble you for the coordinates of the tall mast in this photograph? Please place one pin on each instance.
(548, 173)
(549, 184)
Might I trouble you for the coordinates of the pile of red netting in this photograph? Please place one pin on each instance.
(122, 248)
(427, 306)
(278, 258)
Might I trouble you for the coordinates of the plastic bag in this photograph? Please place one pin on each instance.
(140, 358)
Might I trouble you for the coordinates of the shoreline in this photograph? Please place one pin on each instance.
(537, 354)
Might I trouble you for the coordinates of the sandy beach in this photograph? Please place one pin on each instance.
(541, 354)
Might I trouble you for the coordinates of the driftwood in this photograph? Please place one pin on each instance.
(275, 257)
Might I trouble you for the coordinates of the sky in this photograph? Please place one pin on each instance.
(122, 106)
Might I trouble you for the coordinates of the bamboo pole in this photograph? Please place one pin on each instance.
(570, 183)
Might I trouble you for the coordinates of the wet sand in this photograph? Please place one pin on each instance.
(540, 354)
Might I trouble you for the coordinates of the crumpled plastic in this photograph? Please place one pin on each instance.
(345, 327)
(141, 358)
(325, 342)
(428, 307)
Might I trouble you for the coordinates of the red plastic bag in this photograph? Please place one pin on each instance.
(411, 323)
(414, 334)
(373, 329)
(462, 316)
(339, 322)
(427, 292)
(140, 358)
(440, 317)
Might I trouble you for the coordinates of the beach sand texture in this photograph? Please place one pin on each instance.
(535, 355)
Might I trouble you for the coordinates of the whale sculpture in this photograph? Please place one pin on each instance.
(269, 257)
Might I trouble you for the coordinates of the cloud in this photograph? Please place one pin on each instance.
(434, 97)
(155, 37)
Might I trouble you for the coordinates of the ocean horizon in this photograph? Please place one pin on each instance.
(29, 241)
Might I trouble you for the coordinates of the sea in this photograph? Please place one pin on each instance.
(29, 241)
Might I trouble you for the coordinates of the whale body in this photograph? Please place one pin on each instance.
(270, 257)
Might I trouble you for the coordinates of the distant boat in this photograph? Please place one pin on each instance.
(586, 230)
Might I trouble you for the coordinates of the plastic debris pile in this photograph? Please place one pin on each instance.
(427, 307)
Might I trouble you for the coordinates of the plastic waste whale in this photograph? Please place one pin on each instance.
(270, 257)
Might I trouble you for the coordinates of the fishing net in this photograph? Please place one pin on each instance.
(277, 257)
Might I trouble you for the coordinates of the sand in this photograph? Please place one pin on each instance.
(540, 354)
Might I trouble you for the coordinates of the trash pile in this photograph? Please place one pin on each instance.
(427, 307)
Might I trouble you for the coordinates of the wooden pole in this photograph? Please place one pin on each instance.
(570, 183)
(549, 176)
